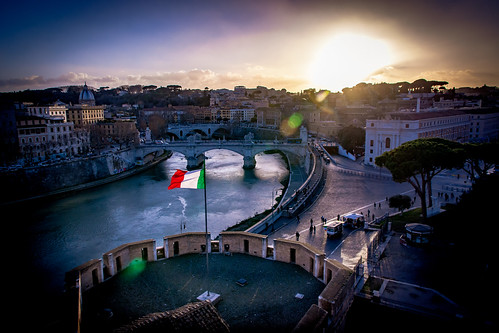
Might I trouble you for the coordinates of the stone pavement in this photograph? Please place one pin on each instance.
(410, 295)
(404, 295)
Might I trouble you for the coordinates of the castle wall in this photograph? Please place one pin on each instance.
(335, 300)
(190, 242)
(243, 242)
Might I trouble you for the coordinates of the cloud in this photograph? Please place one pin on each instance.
(191, 79)
(40, 82)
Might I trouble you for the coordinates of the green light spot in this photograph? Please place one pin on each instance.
(295, 120)
(136, 267)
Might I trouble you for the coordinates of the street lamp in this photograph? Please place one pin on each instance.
(275, 189)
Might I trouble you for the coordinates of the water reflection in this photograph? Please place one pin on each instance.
(61, 234)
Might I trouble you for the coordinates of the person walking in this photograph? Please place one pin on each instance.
(297, 236)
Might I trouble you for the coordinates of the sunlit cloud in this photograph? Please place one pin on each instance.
(192, 79)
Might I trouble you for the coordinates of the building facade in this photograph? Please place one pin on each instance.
(86, 112)
(484, 126)
(385, 134)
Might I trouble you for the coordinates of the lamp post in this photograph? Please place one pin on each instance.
(275, 189)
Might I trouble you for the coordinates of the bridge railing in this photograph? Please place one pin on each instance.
(296, 201)
(211, 142)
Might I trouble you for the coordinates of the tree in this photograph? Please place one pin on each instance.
(400, 202)
(479, 158)
(418, 161)
(351, 137)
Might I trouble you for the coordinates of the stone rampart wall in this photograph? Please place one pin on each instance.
(243, 242)
(190, 242)
(335, 300)
(35, 181)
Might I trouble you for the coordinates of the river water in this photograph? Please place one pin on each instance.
(53, 236)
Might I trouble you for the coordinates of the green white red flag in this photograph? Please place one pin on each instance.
(188, 179)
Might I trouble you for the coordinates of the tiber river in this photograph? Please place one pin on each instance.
(54, 236)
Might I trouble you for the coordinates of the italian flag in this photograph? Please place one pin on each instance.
(187, 179)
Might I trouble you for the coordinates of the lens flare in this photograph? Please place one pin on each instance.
(295, 120)
(136, 267)
(289, 126)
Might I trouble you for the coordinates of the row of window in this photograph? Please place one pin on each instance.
(41, 130)
(44, 138)
(388, 143)
(443, 121)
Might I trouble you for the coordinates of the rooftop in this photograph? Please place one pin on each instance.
(266, 303)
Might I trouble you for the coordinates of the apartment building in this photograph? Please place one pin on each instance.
(396, 128)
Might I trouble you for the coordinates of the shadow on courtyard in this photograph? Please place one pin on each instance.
(266, 303)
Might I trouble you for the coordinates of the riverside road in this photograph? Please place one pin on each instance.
(350, 188)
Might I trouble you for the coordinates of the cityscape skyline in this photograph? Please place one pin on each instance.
(221, 44)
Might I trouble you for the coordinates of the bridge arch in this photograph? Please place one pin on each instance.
(196, 131)
(194, 150)
(207, 130)
(220, 133)
(172, 136)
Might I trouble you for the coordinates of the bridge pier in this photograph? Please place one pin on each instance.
(249, 162)
(195, 162)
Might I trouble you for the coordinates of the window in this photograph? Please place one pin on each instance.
(387, 143)
(406, 125)
(371, 143)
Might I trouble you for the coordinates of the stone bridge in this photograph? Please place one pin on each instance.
(205, 130)
(194, 148)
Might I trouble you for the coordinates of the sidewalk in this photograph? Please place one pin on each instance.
(403, 295)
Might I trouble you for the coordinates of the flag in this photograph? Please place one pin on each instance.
(187, 179)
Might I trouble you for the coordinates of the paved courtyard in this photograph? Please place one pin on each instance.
(266, 303)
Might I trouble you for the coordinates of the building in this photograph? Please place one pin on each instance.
(86, 96)
(237, 115)
(9, 145)
(396, 128)
(484, 125)
(43, 132)
(57, 111)
(268, 117)
(86, 112)
(122, 132)
(41, 138)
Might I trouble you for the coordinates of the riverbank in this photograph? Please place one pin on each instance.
(91, 184)
(251, 221)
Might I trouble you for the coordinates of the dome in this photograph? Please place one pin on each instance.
(86, 96)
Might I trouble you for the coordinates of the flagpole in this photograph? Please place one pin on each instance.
(206, 225)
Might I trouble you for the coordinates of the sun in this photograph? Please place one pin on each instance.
(347, 59)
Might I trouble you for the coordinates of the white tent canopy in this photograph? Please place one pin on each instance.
(353, 216)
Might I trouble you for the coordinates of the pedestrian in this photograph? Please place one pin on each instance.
(311, 222)
(297, 236)
(374, 205)
(338, 217)
(314, 225)
(311, 229)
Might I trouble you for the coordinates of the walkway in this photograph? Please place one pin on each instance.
(341, 195)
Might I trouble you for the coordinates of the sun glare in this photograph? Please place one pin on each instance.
(347, 59)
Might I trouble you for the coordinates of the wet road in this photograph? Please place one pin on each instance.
(343, 194)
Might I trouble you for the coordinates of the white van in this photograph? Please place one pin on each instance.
(334, 229)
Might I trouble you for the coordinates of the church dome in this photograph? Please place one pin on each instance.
(86, 96)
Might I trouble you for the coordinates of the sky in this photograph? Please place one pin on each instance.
(290, 44)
